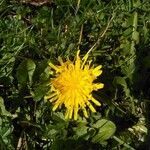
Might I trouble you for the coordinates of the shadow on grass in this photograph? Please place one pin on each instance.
(142, 88)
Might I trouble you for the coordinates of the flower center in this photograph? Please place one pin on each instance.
(70, 81)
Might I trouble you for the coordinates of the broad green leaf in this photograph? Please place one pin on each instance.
(25, 71)
(129, 69)
(30, 69)
(125, 47)
(22, 74)
(80, 131)
(135, 36)
(3, 111)
(5, 134)
(39, 92)
(120, 80)
(105, 128)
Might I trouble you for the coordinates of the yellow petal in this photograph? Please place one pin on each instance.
(76, 109)
(60, 60)
(53, 66)
(67, 114)
(75, 113)
(70, 113)
(98, 86)
(91, 107)
(78, 52)
(85, 112)
(96, 71)
(57, 103)
(53, 99)
(95, 101)
(84, 60)
(50, 96)
(55, 107)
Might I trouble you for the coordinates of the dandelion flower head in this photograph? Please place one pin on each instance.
(72, 86)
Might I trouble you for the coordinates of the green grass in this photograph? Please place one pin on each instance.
(117, 32)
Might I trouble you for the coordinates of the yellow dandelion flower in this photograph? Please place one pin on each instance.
(73, 84)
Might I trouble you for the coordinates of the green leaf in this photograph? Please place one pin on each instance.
(30, 69)
(25, 72)
(5, 134)
(3, 111)
(105, 128)
(120, 80)
(39, 92)
(135, 36)
(80, 131)
(22, 74)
